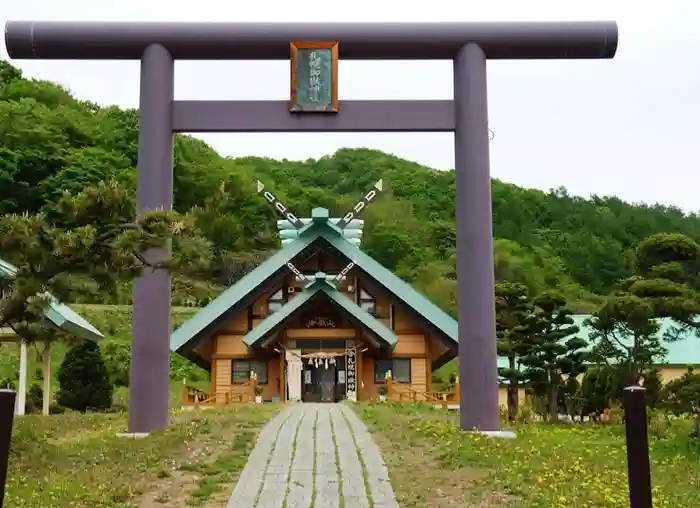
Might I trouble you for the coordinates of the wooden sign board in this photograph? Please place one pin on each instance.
(314, 83)
(321, 322)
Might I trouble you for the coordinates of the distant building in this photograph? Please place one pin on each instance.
(57, 315)
(682, 354)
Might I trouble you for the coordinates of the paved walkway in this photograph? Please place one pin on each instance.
(314, 455)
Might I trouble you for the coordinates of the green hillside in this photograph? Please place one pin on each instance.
(51, 142)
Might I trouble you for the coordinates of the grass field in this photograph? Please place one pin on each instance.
(78, 461)
(433, 464)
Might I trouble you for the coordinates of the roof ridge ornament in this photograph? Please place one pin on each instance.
(279, 207)
(346, 226)
(361, 205)
(321, 214)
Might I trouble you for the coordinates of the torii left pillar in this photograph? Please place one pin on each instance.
(151, 330)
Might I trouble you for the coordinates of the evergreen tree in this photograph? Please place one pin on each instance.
(601, 386)
(625, 332)
(514, 314)
(83, 379)
(552, 356)
(92, 234)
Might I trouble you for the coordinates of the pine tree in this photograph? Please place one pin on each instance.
(83, 379)
(552, 356)
(626, 333)
(514, 313)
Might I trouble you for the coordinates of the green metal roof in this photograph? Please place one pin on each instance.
(400, 289)
(320, 227)
(67, 319)
(59, 314)
(277, 318)
(191, 328)
(321, 284)
(681, 353)
(368, 320)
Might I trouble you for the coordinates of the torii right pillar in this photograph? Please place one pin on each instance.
(476, 298)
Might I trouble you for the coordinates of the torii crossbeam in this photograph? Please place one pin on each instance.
(469, 45)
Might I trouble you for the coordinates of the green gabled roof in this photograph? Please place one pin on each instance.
(191, 328)
(400, 289)
(319, 227)
(364, 317)
(67, 319)
(321, 285)
(277, 318)
(57, 313)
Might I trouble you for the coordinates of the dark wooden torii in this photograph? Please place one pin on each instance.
(469, 45)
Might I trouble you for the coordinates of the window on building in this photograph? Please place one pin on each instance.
(241, 369)
(367, 302)
(400, 370)
(275, 302)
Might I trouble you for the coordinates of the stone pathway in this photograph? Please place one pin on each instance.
(312, 456)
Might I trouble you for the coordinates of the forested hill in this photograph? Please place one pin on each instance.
(50, 142)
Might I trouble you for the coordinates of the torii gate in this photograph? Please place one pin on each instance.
(469, 45)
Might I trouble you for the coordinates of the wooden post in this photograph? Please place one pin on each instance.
(212, 378)
(389, 389)
(638, 470)
(253, 386)
(359, 384)
(183, 392)
(7, 403)
(455, 390)
(21, 402)
(283, 378)
(47, 379)
(428, 371)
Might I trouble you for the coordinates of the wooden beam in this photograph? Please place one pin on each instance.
(321, 333)
(99, 40)
(274, 116)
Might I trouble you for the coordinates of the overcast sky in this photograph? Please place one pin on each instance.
(627, 126)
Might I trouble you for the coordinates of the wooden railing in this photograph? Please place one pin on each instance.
(410, 395)
(240, 393)
(192, 395)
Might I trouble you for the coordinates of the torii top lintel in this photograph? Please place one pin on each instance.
(270, 41)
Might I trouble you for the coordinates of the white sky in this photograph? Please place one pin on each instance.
(627, 126)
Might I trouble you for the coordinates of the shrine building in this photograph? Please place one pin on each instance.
(318, 321)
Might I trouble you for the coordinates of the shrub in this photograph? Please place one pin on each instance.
(117, 358)
(84, 380)
(9, 383)
(55, 409)
(682, 395)
(35, 398)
